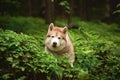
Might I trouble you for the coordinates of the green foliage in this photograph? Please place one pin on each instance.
(28, 25)
(22, 55)
(21, 24)
(117, 11)
(66, 6)
(97, 51)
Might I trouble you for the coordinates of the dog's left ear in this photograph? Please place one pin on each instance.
(65, 30)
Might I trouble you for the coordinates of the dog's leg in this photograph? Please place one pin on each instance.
(71, 57)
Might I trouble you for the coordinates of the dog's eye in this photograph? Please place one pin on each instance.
(59, 37)
(52, 36)
(48, 35)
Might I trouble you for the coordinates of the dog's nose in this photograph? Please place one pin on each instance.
(54, 44)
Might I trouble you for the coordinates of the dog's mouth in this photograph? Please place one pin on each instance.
(54, 46)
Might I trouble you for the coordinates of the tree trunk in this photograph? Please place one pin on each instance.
(49, 11)
(88, 9)
(72, 6)
(107, 7)
(29, 8)
(107, 16)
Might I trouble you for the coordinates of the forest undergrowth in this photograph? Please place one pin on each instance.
(22, 55)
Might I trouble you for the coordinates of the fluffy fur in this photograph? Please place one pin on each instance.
(58, 42)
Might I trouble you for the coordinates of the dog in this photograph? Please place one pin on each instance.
(58, 43)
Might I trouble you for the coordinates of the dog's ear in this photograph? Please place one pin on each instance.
(51, 27)
(65, 30)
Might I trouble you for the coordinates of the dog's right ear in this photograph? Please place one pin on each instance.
(51, 27)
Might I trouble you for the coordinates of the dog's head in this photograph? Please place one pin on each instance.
(56, 37)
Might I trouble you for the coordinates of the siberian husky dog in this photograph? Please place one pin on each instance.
(58, 43)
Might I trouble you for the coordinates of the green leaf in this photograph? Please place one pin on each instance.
(22, 78)
(52, 0)
(10, 59)
(117, 11)
(6, 76)
(118, 5)
(22, 68)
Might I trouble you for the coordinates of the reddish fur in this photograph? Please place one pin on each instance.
(58, 31)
